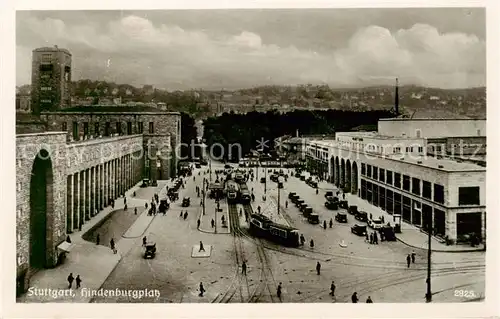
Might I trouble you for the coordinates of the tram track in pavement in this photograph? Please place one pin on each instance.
(239, 253)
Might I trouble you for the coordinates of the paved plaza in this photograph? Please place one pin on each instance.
(379, 271)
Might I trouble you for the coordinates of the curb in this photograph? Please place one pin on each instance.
(440, 250)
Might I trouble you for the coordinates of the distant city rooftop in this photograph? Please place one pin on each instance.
(112, 109)
(435, 163)
(51, 49)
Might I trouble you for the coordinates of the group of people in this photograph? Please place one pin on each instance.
(372, 238)
(410, 259)
(78, 281)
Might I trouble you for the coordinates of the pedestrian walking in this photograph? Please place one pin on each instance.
(213, 223)
(286, 204)
(202, 289)
(371, 238)
(318, 268)
(317, 191)
(331, 223)
(258, 209)
(125, 208)
(78, 281)
(354, 297)
(244, 268)
(302, 239)
(112, 245)
(312, 243)
(144, 241)
(367, 237)
(324, 224)
(181, 214)
(278, 292)
(343, 196)
(413, 257)
(369, 300)
(222, 219)
(201, 247)
(332, 289)
(124, 200)
(375, 238)
(146, 205)
(97, 239)
(135, 211)
(70, 280)
(185, 215)
(408, 260)
(198, 223)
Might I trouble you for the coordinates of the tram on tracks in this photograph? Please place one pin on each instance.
(232, 191)
(262, 226)
(245, 196)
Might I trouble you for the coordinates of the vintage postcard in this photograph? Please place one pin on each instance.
(324, 156)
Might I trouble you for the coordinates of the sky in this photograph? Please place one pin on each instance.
(232, 49)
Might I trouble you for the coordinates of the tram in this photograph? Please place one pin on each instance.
(262, 226)
(245, 196)
(232, 190)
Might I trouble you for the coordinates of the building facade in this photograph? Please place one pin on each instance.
(396, 174)
(50, 79)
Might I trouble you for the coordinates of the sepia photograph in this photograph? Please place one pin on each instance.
(286, 155)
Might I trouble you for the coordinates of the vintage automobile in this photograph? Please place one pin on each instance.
(145, 183)
(362, 216)
(307, 211)
(375, 223)
(389, 234)
(164, 206)
(332, 205)
(291, 194)
(297, 175)
(262, 179)
(343, 204)
(302, 207)
(302, 178)
(341, 217)
(313, 218)
(197, 165)
(186, 201)
(313, 184)
(150, 250)
(359, 230)
(353, 209)
(299, 202)
(328, 194)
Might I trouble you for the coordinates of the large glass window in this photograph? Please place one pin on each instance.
(426, 189)
(76, 134)
(397, 203)
(107, 129)
(388, 177)
(363, 169)
(375, 172)
(397, 180)
(86, 129)
(375, 195)
(439, 193)
(406, 183)
(389, 201)
(381, 194)
(369, 170)
(151, 128)
(468, 195)
(415, 186)
(406, 209)
(363, 189)
(381, 175)
(140, 127)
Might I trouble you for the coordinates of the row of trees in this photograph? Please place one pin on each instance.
(253, 129)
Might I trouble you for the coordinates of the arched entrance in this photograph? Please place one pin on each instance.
(337, 171)
(332, 170)
(41, 211)
(354, 178)
(342, 173)
(348, 175)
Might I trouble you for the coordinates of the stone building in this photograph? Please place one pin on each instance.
(393, 170)
(50, 79)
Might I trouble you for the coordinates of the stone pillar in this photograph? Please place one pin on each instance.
(81, 215)
(87, 194)
(115, 179)
(112, 179)
(101, 186)
(105, 184)
(92, 192)
(69, 206)
(76, 200)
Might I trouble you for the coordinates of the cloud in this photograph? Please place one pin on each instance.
(171, 57)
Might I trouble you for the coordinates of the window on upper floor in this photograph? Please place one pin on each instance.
(426, 189)
(140, 127)
(439, 193)
(468, 195)
(369, 170)
(129, 128)
(151, 128)
(381, 175)
(363, 169)
(76, 134)
(420, 149)
(406, 183)
(397, 180)
(375, 172)
(388, 177)
(119, 127)
(86, 129)
(64, 126)
(415, 186)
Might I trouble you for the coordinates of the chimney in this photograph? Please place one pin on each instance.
(296, 133)
(396, 98)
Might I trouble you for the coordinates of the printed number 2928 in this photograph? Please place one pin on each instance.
(465, 293)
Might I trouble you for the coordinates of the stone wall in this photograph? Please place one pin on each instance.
(27, 148)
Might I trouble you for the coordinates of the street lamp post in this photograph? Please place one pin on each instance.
(203, 194)
(265, 181)
(278, 196)
(216, 219)
(428, 295)
(210, 169)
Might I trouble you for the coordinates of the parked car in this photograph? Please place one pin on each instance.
(341, 217)
(313, 218)
(291, 194)
(302, 178)
(332, 198)
(145, 182)
(197, 165)
(295, 198)
(186, 201)
(313, 184)
(262, 179)
(307, 211)
(353, 209)
(343, 204)
(332, 205)
(297, 175)
(375, 223)
(389, 234)
(299, 202)
(302, 207)
(359, 230)
(328, 194)
(361, 216)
